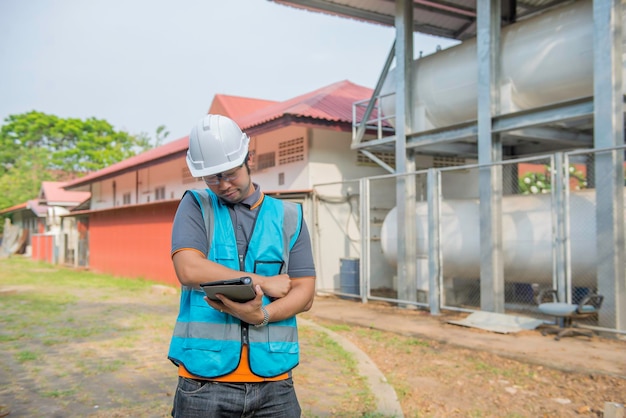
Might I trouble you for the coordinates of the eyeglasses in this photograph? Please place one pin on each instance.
(229, 176)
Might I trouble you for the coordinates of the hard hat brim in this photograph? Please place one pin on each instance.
(210, 171)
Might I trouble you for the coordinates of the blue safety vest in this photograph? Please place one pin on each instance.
(207, 342)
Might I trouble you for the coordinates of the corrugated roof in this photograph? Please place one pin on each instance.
(330, 104)
(53, 194)
(32, 205)
(235, 106)
(453, 19)
(164, 152)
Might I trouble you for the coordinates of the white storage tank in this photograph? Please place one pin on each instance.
(545, 59)
(526, 232)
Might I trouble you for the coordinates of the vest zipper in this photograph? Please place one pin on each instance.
(244, 333)
(242, 266)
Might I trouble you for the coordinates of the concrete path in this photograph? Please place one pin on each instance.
(386, 398)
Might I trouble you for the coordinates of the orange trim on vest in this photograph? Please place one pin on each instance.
(242, 373)
(258, 202)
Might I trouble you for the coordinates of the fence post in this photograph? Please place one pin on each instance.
(434, 240)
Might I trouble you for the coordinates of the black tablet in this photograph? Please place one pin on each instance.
(238, 290)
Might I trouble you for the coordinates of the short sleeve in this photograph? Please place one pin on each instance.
(188, 229)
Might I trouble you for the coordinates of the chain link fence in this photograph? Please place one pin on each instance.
(548, 230)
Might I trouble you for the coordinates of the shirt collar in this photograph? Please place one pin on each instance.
(255, 199)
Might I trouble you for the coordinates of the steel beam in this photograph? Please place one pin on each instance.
(609, 165)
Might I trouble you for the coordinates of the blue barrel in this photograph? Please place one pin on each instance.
(349, 276)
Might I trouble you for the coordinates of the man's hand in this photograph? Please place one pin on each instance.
(249, 312)
(276, 286)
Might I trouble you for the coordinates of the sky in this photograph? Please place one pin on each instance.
(140, 64)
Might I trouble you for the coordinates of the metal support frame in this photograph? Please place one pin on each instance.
(609, 166)
(366, 237)
(405, 185)
(435, 276)
(489, 151)
(561, 244)
(359, 131)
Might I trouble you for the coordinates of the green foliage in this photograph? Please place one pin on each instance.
(535, 183)
(36, 147)
(71, 145)
(577, 177)
(23, 180)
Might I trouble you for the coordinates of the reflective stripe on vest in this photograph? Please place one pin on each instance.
(208, 342)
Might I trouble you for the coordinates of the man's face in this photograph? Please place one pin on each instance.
(232, 186)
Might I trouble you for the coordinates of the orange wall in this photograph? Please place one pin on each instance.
(133, 242)
(42, 248)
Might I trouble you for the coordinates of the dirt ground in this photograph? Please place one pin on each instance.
(444, 370)
(75, 350)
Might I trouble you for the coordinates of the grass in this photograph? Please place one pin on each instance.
(24, 356)
(41, 305)
(347, 388)
(62, 329)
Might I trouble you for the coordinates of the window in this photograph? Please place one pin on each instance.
(291, 151)
(281, 179)
(159, 193)
(126, 199)
(388, 158)
(439, 162)
(266, 160)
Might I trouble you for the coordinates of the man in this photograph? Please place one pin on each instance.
(235, 359)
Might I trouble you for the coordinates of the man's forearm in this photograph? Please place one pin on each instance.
(299, 299)
(192, 269)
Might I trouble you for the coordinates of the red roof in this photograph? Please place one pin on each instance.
(33, 205)
(164, 152)
(236, 107)
(330, 104)
(14, 208)
(52, 193)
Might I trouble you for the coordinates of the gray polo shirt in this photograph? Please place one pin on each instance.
(188, 232)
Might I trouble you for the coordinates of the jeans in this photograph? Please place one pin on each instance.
(217, 399)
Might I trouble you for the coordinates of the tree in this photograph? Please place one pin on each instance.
(23, 180)
(72, 145)
(145, 142)
(161, 135)
(36, 147)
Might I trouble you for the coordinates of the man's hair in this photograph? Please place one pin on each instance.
(245, 161)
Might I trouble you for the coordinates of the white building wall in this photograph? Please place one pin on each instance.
(164, 181)
(338, 208)
(291, 169)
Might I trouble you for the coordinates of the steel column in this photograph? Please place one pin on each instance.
(405, 185)
(489, 151)
(609, 165)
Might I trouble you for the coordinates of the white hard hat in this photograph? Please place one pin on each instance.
(216, 144)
